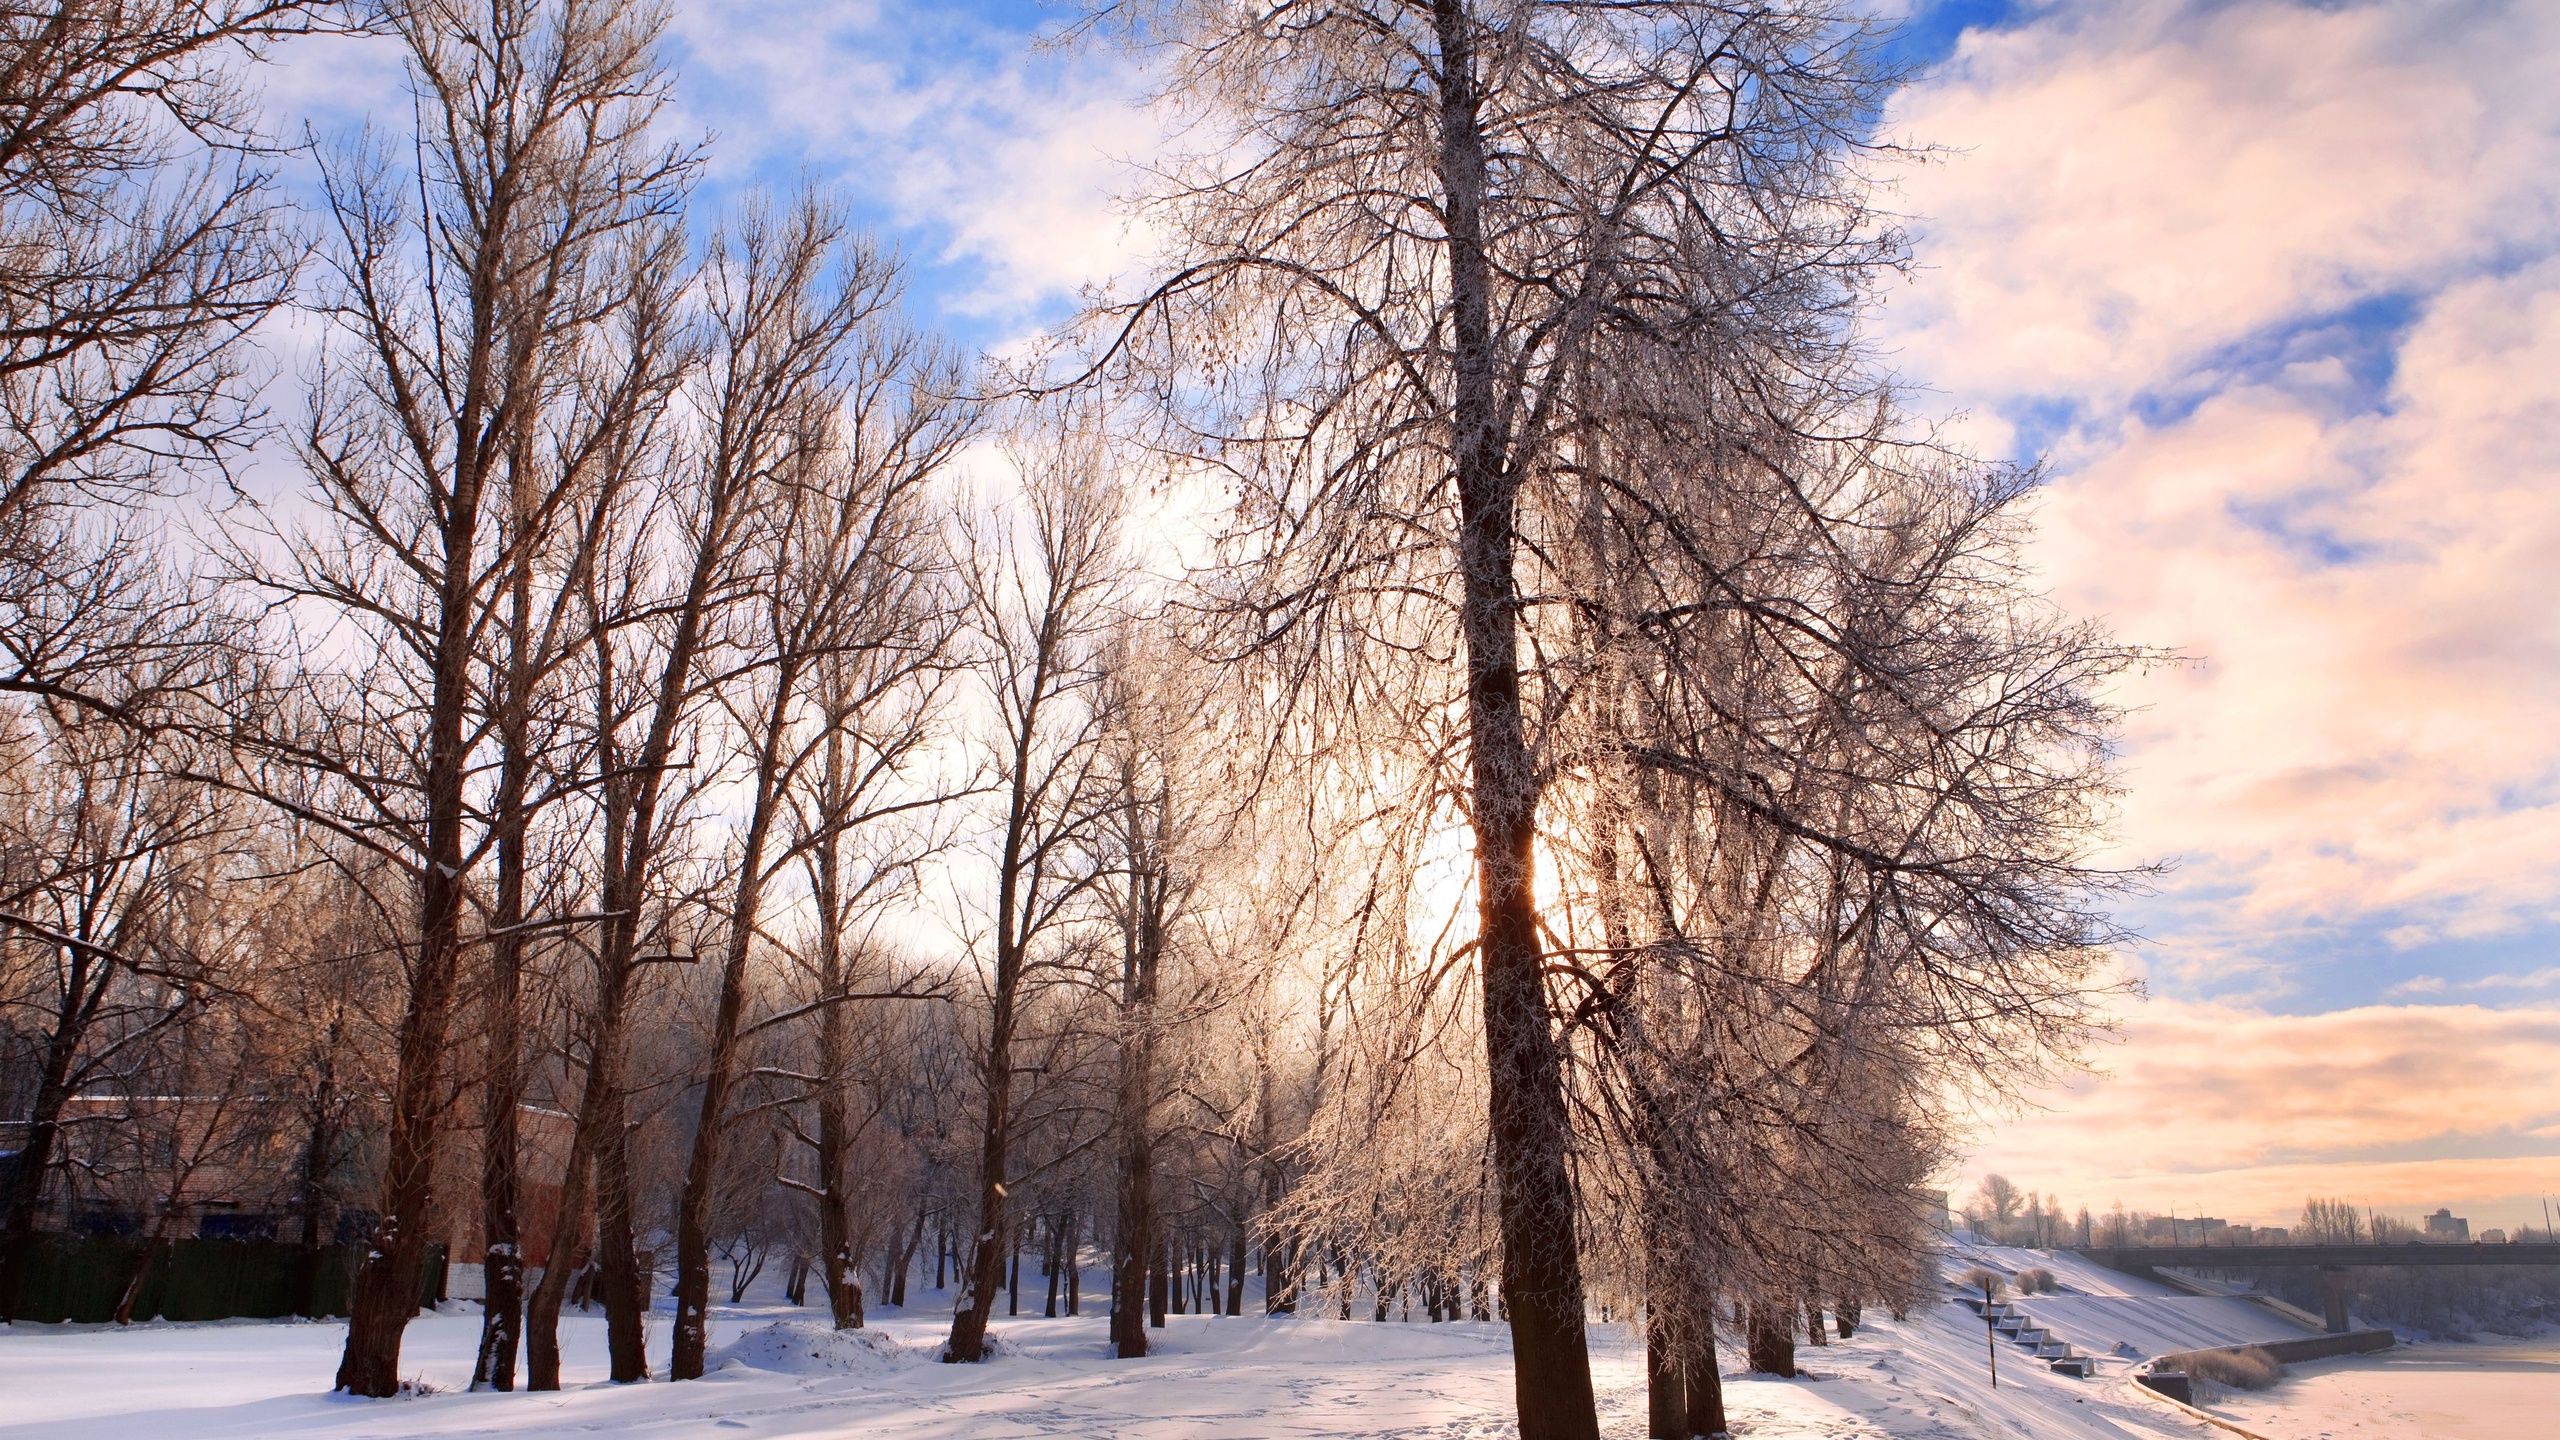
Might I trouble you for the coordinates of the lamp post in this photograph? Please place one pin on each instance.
(1990, 1332)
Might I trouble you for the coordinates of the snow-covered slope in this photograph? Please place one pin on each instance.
(2097, 1309)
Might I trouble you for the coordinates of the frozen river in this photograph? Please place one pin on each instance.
(2507, 1390)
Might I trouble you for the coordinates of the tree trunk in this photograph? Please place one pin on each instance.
(1541, 1270)
(603, 1143)
(1075, 1262)
(1137, 1240)
(152, 1250)
(1701, 1379)
(27, 1167)
(386, 1290)
(907, 1257)
(502, 1083)
(572, 1236)
(1773, 1345)
(319, 1154)
(1666, 1402)
(835, 1059)
(1235, 1272)
(1049, 1268)
(985, 1272)
(835, 1228)
(622, 1282)
(1159, 1254)
(710, 1131)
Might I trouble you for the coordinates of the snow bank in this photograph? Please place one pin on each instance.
(796, 1347)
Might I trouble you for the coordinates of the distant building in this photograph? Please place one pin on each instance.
(2186, 1230)
(1933, 1209)
(2445, 1225)
(2493, 1237)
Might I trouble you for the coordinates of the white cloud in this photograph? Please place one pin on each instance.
(1011, 155)
(2148, 208)
(2135, 185)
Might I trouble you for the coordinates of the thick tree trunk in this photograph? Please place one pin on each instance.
(1705, 1391)
(907, 1258)
(386, 1290)
(1666, 1399)
(1049, 1271)
(1666, 1403)
(152, 1251)
(1159, 1263)
(1701, 1382)
(1541, 1268)
(621, 1280)
(1132, 1261)
(835, 1059)
(572, 1236)
(1773, 1344)
(601, 1153)
(835, 1225)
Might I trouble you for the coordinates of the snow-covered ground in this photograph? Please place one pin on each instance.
(2508, 1390)
(786, 1375)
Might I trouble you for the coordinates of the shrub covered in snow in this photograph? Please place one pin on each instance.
(793, 1347)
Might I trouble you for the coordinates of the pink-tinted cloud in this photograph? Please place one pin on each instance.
(2127, 186)
(2142, 207)
(2241, 1114)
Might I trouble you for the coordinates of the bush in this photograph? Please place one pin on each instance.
(2250, 1369)
(1979, 1280)
(2038, 1281)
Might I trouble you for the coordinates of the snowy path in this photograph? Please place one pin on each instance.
(1234, 1379)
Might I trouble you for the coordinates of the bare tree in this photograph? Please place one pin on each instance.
(144, 240)
(846, 617)
(1041, 586)
(456, 317)
(104, 851)
(1441, 210)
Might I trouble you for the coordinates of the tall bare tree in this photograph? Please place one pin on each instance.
(459, 298)
(1439, 211)
(1042, 583)
(847, 618)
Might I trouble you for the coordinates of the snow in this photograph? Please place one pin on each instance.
(2498, 1391)
(2097, 1310)
(801, 1347)
(777, 1371)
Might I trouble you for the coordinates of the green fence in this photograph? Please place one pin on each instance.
(72, 1277)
